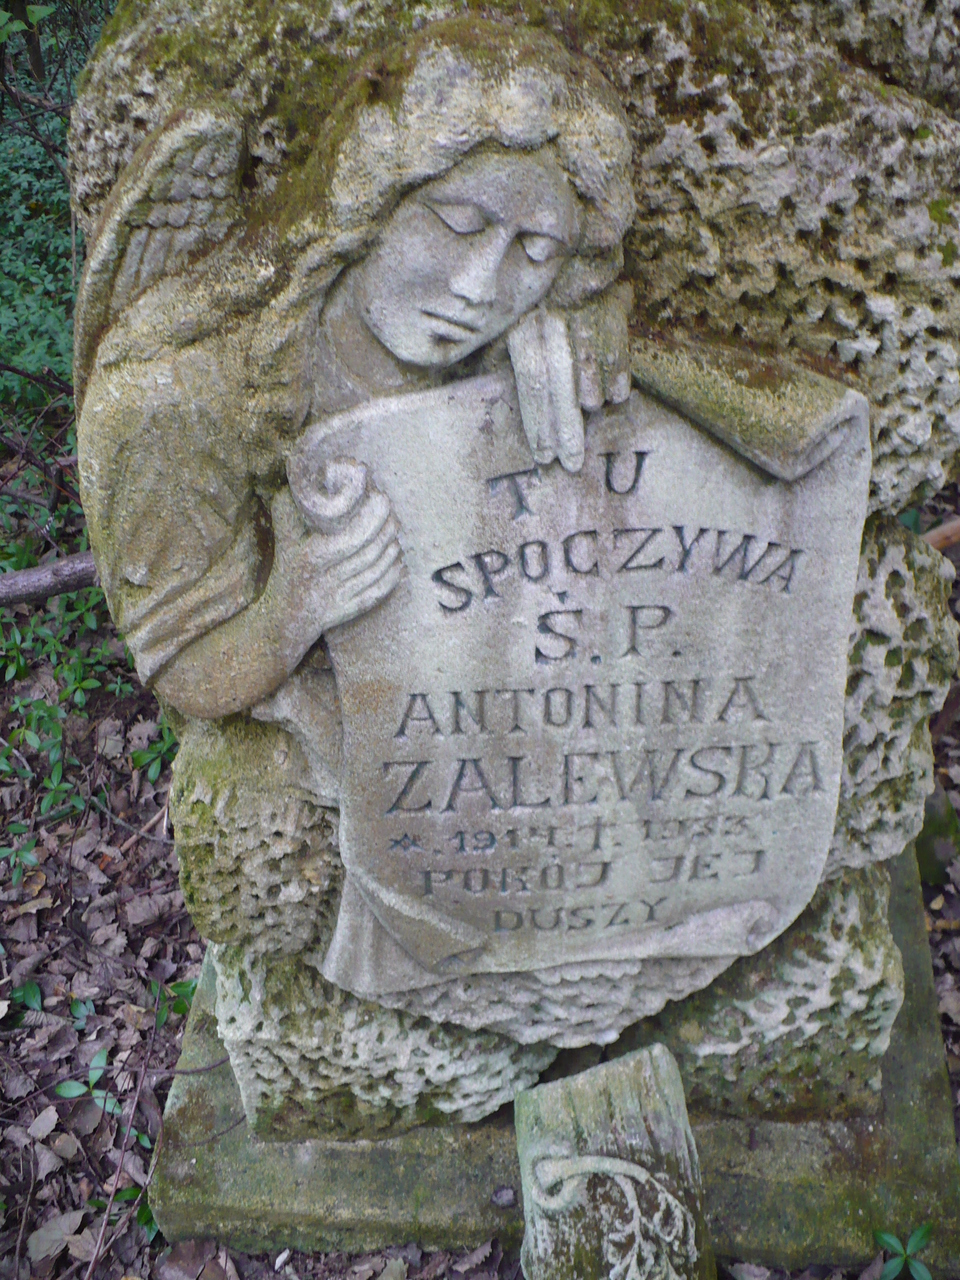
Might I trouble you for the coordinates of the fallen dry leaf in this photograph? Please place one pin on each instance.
(44, 1124)
(873, 1271)
(83, 1246)
(65, 1145)
(47, 1162)
(482, 1252)
(185, 1261)
(949, 1003)
(50, 1239)
(747, 1271)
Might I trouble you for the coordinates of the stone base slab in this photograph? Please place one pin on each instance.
(776, 1193)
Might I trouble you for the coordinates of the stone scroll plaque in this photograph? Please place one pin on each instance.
(601, 715)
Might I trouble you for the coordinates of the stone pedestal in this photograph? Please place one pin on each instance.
(775, 1192)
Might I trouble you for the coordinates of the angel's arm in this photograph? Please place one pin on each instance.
(316, 581)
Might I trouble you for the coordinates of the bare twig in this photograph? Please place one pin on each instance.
(46, 379)
(147, 826)
(44, 102)
(120, 822)
(190, 1071)
(944, 535)
(122, 1224)
(215, 1137)
(69, 573)
(26, 1212)
(14, 751)
(97, 1252)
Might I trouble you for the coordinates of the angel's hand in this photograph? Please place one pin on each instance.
(326, 578)
(598, 332)
(564, 362)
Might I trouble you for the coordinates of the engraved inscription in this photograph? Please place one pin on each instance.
(592, 722)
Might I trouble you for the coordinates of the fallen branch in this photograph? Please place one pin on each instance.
(147, 826)
(46, 379)
(69, 573)
(944, 535)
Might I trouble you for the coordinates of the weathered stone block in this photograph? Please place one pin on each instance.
(610, 1175)
(312, 1059)
(786, 1194)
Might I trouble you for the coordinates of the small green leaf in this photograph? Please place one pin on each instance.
(37, 12)
(71, 1089)
(886, 1241)
(918, 1270)
(146, 1220)
(97, 1067)
(29, 994)
(128, 1193)
(144, 1140)
(919, 1238)
(893, 1267)
(162, 1014)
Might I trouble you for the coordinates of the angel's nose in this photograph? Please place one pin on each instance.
(477, 278)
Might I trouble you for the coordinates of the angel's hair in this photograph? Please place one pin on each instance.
(463, 85)
(258, 277)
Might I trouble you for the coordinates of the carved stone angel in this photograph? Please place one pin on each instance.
(469, 220)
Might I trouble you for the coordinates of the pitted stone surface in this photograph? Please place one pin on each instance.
(311, 1059)
(785, 200)
(803, 1025)
(903, 654)
(258, 855)
(786, 196)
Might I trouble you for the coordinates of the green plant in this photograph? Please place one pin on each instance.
(144, 1213)
(80, 1010)
(910, 519)
(105, 1100)
(157, 753)
(21, 858)
(903, 1256)
(182, 993)
(29, 995)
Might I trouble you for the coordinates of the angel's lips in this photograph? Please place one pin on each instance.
(446, 327)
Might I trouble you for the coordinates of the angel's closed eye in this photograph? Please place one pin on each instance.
(540, 248)
(464, 219)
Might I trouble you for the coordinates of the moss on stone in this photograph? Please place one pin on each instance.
(258, 856)
(798, 1030)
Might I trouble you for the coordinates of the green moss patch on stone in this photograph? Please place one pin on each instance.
(259, 865)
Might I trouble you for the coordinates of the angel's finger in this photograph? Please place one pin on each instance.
(369, 555)
(589, 377)
(372, 515)
(378, 590)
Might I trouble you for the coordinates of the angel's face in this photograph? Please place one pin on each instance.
(461, 259)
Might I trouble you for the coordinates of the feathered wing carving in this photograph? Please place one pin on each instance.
(176, 201)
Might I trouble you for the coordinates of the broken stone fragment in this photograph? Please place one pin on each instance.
(611, 1176)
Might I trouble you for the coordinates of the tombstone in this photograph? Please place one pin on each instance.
(550, 669)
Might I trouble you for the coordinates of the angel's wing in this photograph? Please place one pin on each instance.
(178, 198)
